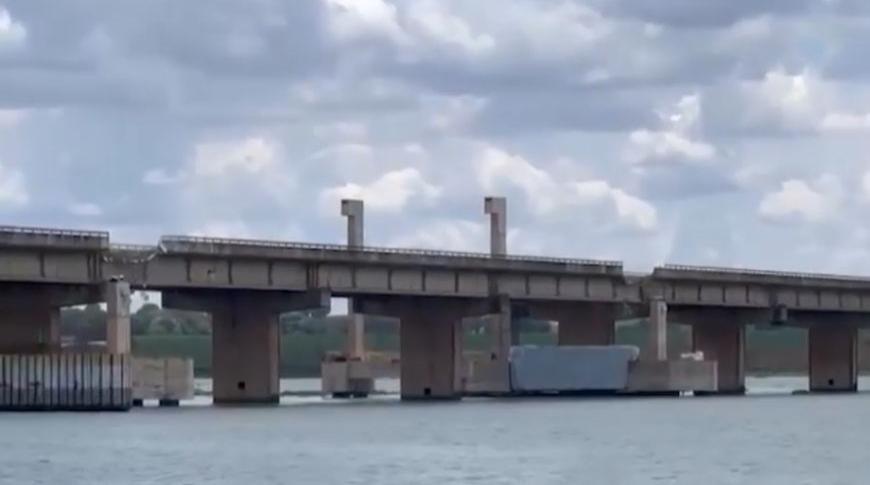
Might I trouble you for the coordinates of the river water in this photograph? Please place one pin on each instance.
(767, 437)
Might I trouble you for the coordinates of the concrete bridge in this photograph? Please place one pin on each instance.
(246, 284)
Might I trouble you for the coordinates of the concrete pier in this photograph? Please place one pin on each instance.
(431, 355)
(245, 339)
(246, 349)
(657, 344)
(118, 317)
(721, 337)
(588, 324)
(431, 341)
(833, 357)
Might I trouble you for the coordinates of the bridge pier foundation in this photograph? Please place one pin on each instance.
(246, 338)
(833, 358)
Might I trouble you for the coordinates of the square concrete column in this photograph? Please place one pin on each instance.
(833, 357)
(657, 338)
(30, 330)
(589, 324)
(431, 354)
(721, 337)
(355, 346)
(246, 351)
(496, 208)
(118, 317)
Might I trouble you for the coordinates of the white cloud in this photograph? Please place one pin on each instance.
(13, 191)
(389, 193)
(251, 155)
(159, 176)
(803, 102)
(429, 20)
(799, 200)
(674, 141)
(12, 32)
(85, 209)
(845, 122)
(350, 20)
(546, 195)
(452, 235)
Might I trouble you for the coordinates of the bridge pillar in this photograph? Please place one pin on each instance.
(118, 317)
(591, 324)
(246, 338)
(30, 330)
(833, 357)
(657, 337)
(720, 335)
(431, 342)
(580, 323)
(246, 353)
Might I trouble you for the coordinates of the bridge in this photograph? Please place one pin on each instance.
(246, 284)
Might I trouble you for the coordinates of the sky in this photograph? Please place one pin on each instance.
(716, 132)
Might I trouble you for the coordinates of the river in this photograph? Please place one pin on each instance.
(767, 437)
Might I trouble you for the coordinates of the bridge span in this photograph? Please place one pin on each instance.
(246, 284)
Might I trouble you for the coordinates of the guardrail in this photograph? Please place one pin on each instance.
(379, 250)
(43, 231)
(138, 248)
(761, 272)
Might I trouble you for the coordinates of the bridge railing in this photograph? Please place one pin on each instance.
(761, 272)
(43, 231)
(381, 250)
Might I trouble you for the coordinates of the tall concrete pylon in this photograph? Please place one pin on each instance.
(496, 207)
(354, 210)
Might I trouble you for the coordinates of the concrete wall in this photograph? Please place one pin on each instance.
(59, 382)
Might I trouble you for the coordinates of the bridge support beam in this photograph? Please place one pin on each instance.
(833, 357)
(246, 339)
(431, 342)
(720, 334)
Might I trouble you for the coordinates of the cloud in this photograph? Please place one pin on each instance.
(252, 155)
(12, 32)
(13, 191)
(799, 200)
(674, 141)
(389, 193)
(498, 170)
(451, 235)
(159, 176)
(85, 209)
